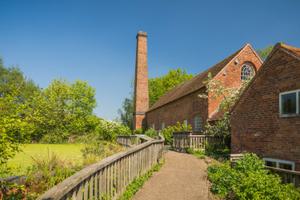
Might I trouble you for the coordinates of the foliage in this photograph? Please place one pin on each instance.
(138, 131)
(228, 95)
(98, 150)
(22, 160)
(263, 53)
(138, 182)
(64, 109)
(151, 133)
(248, 179)
(15, 115)
(10, 191)
(157, 87)
(221, 127)
(45, 173)
(198, 153)
(106, 130)
(160, 85)
(219, 151)
(126, 113)
(168, 131)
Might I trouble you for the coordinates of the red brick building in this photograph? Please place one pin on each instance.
(266, 119)
(183, 104)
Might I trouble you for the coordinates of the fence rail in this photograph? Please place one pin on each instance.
(287, 176)
(184, 140)
(108, 178)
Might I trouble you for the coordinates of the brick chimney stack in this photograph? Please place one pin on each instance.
(141, 94)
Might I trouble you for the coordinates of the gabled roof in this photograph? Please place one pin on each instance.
(290, 50)
(293, 50)
(195, 83)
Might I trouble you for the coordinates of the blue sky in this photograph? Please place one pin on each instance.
(95, 40)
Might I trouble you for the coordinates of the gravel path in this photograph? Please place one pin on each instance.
(182, 177)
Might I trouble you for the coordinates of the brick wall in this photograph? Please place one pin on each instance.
(255, 121)
(185, 108)
(230, 76)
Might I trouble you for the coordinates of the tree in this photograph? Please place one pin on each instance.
(157, 87)
(221, 128)
(126, 113)
(64, 109)
(15, 116)
(263, 53)
(160, 85)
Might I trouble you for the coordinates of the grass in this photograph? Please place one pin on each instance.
(23, 159)
(137, 183)
(198, 153)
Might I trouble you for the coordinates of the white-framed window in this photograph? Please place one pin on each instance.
(163, 125)
(197, 123)
(277, 163)
(247, 71)
(289, 103)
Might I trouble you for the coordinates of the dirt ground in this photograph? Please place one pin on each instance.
(182, 177)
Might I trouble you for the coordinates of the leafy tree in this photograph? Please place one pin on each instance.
(160, 85)
(126, 113)
(263, 53)
(157, 87)
(229, 96)
(15, 118)
(64, 109)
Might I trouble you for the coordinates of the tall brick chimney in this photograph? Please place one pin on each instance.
(141, 95)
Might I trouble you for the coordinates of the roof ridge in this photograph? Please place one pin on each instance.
(291, 49)
(173, 93)
(278, 46)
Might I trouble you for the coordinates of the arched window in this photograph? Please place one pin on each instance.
(197, 123)
(247, 72)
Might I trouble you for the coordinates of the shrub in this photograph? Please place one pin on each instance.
(45, 173)
(109, 131)
(168, 131)
(217, 151)
(151, 133)
(198, 153)
(248, 179)
(138, 131)
(11, 191)
(98, 150)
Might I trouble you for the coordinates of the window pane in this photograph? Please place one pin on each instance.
(288, 103)
(270, 163)
(285, 166)
(247, 72)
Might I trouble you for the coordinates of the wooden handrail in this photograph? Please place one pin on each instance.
(108, 178)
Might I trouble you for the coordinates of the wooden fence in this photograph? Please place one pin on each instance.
(287, 176)
(184, 140)
(129, 141)
(132, 140)
(109, 178)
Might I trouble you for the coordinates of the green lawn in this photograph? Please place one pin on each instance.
(67, 152)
